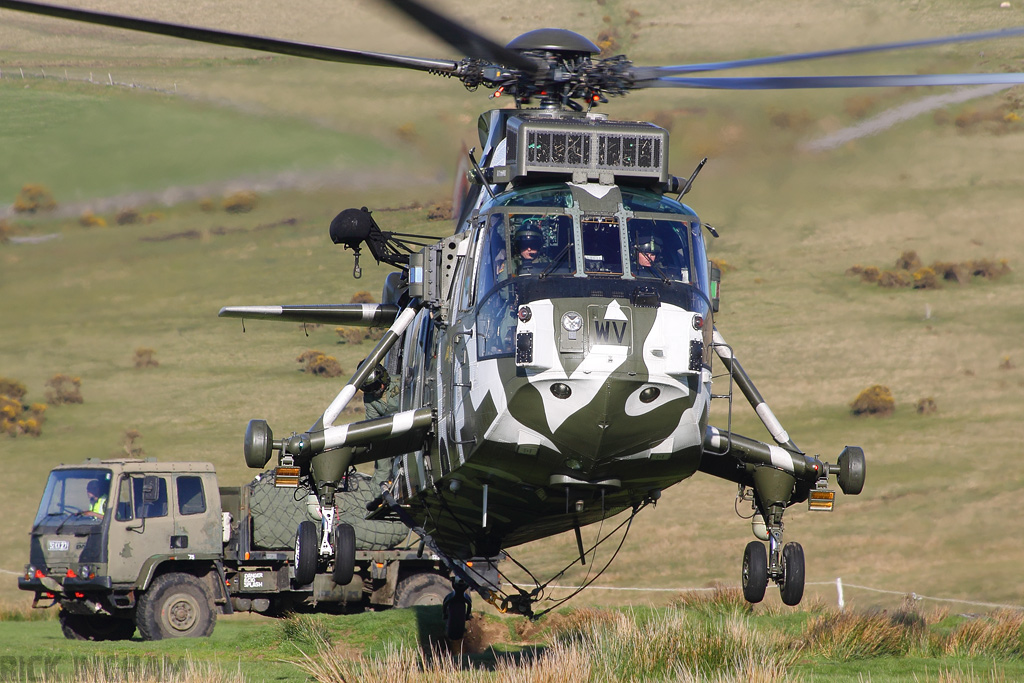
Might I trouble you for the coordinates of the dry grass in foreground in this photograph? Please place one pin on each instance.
(709, 640)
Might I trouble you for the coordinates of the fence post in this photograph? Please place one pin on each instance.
(839, 591)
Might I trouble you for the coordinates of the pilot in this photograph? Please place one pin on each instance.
(97, 492)
(529, 245)
(648, 254)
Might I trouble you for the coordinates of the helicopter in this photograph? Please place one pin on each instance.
(548, 365)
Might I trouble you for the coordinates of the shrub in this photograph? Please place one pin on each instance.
(951, 272)
(64, 389)
(870, 274)
(12, 388)
(6, 231)
(243, 201)
(207, 205)
(15, 420)
(908, 260)
(90, 220)
(351, 335)
(145, 358)
(34, 198)
(320, 364)
(875, 400)
(130, 444)
(926, 278)
(440, 212)
(926, 406)
(362, 297)
(987, 268)
(892, 279)
(127, 217)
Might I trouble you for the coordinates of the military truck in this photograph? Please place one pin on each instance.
(122, 544)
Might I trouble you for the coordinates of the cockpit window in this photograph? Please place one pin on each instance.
(660, 249)
(541, 243)
(602, 245)
(549, 195)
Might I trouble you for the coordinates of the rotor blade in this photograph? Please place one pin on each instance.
(462, 38)
(644, 73)
(217, 37)
(816, 82)
(356, 315)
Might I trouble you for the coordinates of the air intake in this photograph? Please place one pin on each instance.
(587, 149)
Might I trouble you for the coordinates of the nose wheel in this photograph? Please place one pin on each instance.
(786, 569)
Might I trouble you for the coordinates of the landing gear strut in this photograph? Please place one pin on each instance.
(456, 610)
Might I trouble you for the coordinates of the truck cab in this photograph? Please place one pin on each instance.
(106, 530)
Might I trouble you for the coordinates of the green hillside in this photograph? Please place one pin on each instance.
(939, 516)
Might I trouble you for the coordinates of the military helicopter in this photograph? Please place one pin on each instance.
(548, 365)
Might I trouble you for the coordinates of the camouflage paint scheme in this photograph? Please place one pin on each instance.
(552, 463)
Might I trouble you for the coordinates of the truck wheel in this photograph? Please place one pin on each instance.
(95, 627)
(344, 554)
(175, 606)
(421, 590)
(307, 553)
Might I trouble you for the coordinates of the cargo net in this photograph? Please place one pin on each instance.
(370, 534)
(277, 512)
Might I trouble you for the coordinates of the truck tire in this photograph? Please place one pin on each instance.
(423, 589)
(344, 554)
(307, 553)
(95, 627)
(175, 606)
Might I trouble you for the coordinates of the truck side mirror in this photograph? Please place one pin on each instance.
(150, 489)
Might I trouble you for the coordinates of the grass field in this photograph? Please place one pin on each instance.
(939, 516)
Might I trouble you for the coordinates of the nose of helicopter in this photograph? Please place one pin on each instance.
(595, 421)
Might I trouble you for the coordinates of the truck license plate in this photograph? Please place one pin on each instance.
(58, 545)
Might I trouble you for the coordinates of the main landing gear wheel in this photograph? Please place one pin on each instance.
(755, 572)
(791, 585)
(344, 554)
(456, 610)
(307, 551)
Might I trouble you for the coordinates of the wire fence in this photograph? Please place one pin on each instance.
(39, 73)
(838, 583)
(840, 587)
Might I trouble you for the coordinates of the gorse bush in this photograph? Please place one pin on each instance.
(145, 357)
(240, 202)
(64, 389)
(17, 420)
(875, 400)
(90, 220)
(320, 364)
(33, 198)
(910, 272)
(12, 388)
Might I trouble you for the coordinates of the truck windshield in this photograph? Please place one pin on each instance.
(73, 496)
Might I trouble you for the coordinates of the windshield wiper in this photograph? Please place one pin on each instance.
(556, 261)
